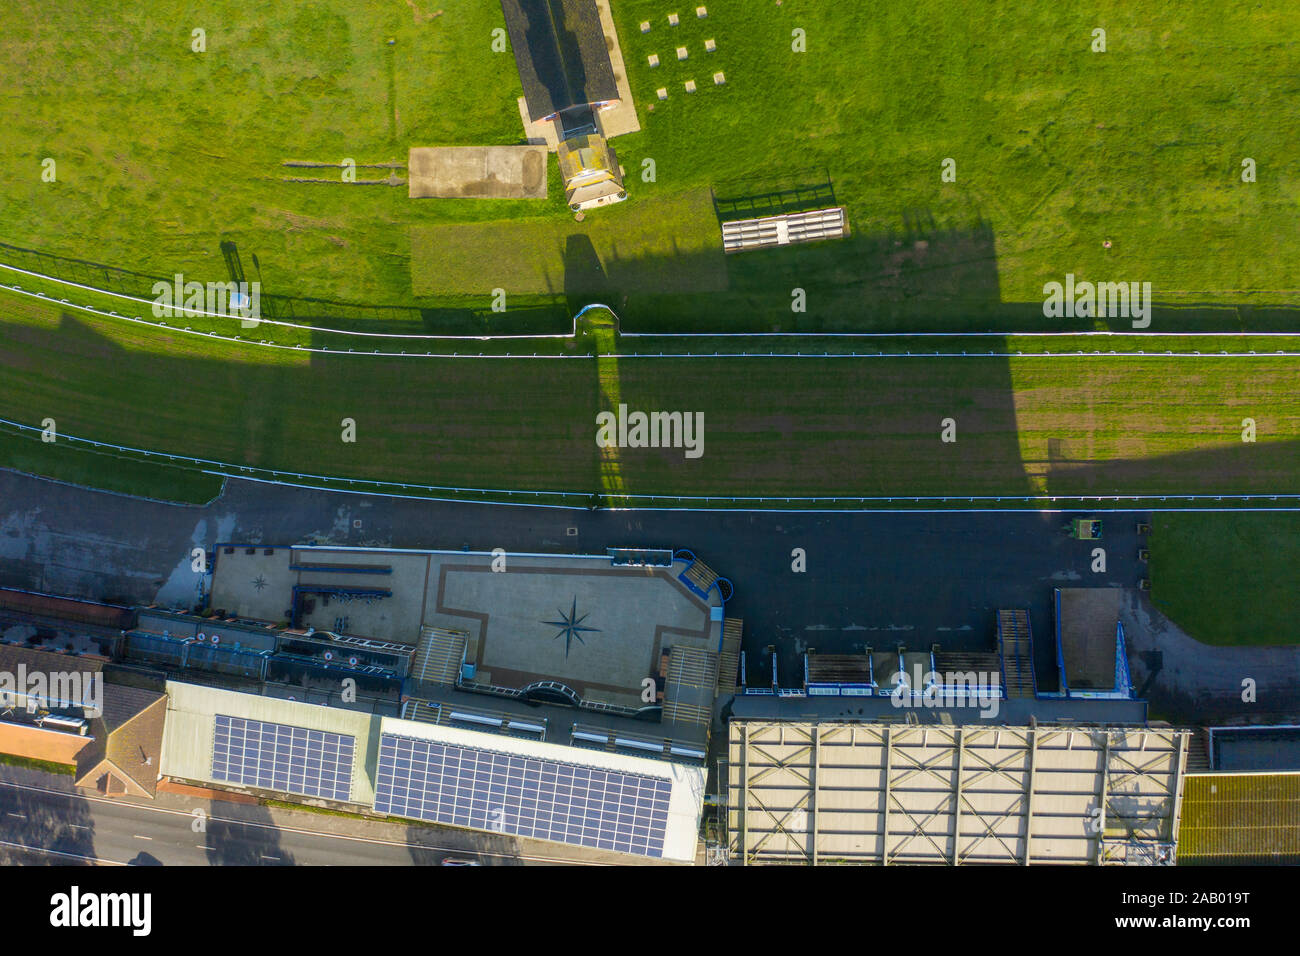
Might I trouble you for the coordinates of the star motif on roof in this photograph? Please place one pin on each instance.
(259, 582)
(571, 628)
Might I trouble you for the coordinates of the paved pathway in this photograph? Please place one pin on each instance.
(1187, 681)
(871, 578)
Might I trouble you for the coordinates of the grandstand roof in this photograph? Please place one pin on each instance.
(904, 793)
(1011, 711)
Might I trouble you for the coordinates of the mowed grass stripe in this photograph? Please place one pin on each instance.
(772, 426)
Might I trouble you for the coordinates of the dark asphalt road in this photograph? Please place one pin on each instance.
(877, 578)
(44, 820)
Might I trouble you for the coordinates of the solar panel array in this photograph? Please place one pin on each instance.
(313, 763)
(524, 796)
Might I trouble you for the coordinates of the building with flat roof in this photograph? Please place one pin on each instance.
(437, 773)
(1240, 819)
(909, 755)
(1242, 796)
(637, 636)
(572, 677)
(950, 792)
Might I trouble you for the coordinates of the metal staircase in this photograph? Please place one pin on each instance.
(729, 657)
(1016, 647)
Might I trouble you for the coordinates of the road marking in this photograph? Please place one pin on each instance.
(20, 816)
(141, 837)
(202, 847)
(265, 857)
(291, 829)
(72, 856)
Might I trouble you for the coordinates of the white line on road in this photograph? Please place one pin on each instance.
(302, 830)
(140, 836)
(71, 856)
(20, 816)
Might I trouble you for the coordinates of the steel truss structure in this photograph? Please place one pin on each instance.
(889, 793)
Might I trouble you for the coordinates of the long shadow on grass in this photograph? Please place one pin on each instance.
(463, 315)
(921, 275)
(60, 825)
(772, 427)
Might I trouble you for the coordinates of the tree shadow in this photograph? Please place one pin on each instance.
(60, 825)
(429, 844)
(251, 840)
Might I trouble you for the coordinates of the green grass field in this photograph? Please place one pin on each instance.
(773, 427)
(162, 153)
(1229, 579)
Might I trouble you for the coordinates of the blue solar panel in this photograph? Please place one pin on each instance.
(313, 763)
(524, 796)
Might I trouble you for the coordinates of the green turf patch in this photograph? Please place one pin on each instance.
(44, 766)
(103, 469)
(1229, 579)
(669, 244)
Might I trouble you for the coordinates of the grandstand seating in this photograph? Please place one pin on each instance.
(690, 686)
(1198, 751)
(729, 657)
(984, 662)
(699, 577)
(810, 226)
(438, 655)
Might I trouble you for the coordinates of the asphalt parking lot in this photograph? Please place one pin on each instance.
(875, 579)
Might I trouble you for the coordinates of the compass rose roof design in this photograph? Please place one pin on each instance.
(571, 627)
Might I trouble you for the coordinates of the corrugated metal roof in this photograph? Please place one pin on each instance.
(926, 793)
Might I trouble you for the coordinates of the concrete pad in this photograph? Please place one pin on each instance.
(477, 172)
(622, 118)
(1087, 626)
(634, 616)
